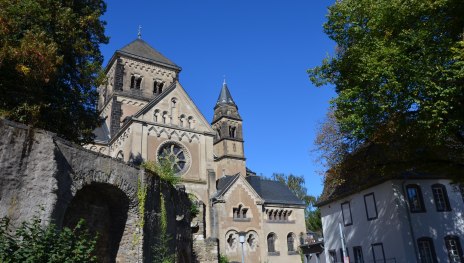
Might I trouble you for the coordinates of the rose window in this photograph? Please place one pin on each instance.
(175, 155)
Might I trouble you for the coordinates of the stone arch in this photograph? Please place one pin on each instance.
(105, 209)
(252, 240)
(232, 241)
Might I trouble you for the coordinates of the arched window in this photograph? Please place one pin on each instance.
(426, 250)
(155, 87)
(156, 115)
(441, 198)
(136, 82)
(173, 102)
(271, 239)
(291, 242)
(251, 240)
(415, 200)
(165, 117)
(231, 240)
(190, 122)
(182, 120)
(160, 87)
(232, 131)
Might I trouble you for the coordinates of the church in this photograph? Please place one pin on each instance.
(148, 116)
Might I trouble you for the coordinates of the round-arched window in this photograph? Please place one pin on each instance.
(175, 155)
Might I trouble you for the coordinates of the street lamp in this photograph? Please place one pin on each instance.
(241, 236)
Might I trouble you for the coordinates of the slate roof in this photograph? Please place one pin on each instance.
(223, 183)
(272, 192)
(141, 49)
(225, 97)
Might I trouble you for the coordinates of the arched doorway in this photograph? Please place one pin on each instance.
(104, 208)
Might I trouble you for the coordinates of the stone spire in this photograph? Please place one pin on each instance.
(224, 97)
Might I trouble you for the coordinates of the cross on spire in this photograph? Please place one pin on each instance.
(139, 34)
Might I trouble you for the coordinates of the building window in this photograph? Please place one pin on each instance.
(279, 216)
(232, 132)
(426, 250)
(332, 256)
(251, 240)
(190, 122)
(290, 242)
(453, 246)
(165, 117)
(132, 85)
(358, 254)
(136, 82)
(371, 206)
(416, 203)
(182, 120)
(271, 239)
(231, 241)
(378, 253)
(346, 213)
(157, 87)
(175, 155)
(240, 213)
(441, 198)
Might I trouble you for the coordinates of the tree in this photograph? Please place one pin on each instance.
(296, 185)
(398, 70)
(50, 64)
(33, 243)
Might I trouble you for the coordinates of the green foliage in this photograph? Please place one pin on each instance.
(194, 210)
(163, 170)
(36, 244)
(223, 259)
(142, 197)
(161, 250)
(50, 64)
(398, 70)
(296, 185)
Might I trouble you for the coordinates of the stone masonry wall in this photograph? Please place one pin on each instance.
(45, 176)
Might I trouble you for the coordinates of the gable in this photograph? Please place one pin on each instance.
(235, 182)
(175, 108)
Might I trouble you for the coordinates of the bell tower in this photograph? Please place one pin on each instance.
(228, 142)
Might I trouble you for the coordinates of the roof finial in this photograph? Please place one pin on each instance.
(224, 83)
(139, 34)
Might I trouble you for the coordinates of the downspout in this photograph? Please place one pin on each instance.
(408, 214)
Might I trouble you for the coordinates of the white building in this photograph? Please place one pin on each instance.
(409, 219)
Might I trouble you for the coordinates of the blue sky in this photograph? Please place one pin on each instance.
(264, 48)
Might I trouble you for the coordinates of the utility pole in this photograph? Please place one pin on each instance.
(346, 259)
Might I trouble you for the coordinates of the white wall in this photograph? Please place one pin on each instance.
(392, 227)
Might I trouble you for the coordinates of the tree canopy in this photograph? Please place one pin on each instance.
(398, 70)
(50, 63)
(297, 185)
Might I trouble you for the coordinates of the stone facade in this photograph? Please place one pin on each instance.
(149, 117)
(45, 176)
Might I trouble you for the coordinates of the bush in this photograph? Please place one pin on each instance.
(163, 170)
(34, 243)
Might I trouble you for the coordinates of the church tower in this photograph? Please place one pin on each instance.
(228, 142)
